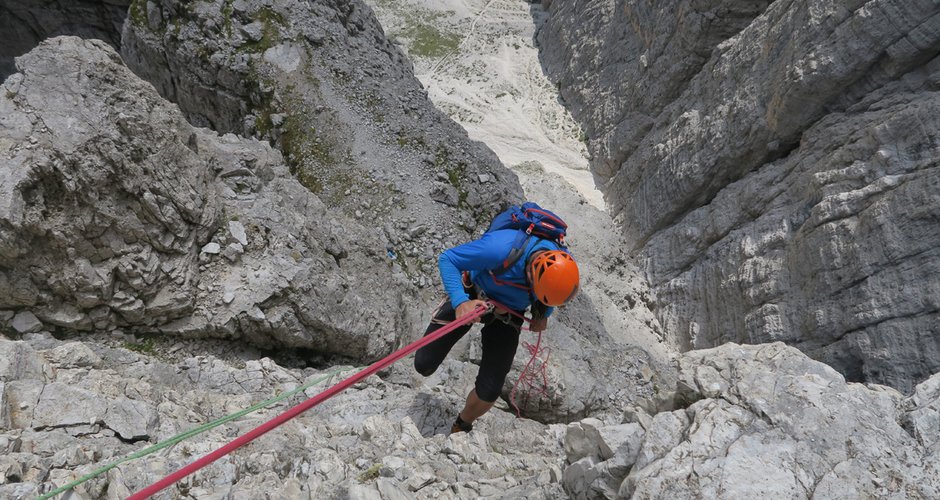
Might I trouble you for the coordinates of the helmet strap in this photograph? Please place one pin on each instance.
(528, 267)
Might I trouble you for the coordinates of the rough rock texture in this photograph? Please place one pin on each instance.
(239, 249)
(763, 422)
(109, 201)
(60, 419)
(478, 61)
(745, 422)
(25, 23)
(773, 165)
(321, 81)
(606, 349)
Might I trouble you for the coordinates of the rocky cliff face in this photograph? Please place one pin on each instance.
(168, 228)
(321, 82)
(120, 218)
(186, 233)
(68, 408)
(117, 212)
(773, 164)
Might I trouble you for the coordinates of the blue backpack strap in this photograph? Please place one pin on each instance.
(518, 250)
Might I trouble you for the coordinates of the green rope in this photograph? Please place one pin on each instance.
(185, 435)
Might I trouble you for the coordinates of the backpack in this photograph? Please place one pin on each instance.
(531, 220)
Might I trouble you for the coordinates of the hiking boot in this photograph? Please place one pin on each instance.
(460, 426)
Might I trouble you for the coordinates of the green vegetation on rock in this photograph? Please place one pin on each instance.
(422, 28)
(227, 12)
(145, 346)
(428, 41)
(138, 12)
(455, 171)
(271, 24)
(370, 473)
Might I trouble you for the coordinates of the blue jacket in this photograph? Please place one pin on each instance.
(487, 253)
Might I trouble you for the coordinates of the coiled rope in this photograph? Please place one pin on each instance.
(528, 378)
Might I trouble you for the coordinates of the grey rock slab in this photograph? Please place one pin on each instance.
(67, 316)
(364, 492)
(286, 56)
(233, 251)
(131, 419)
(582, 439)
(61, 405)
(253, 31)
(445, 193)
(19, 361)
(237, 231)
(73, 355)
(622, 440)
(391, 490)
(211, 248)
(26, 322)
(923, 413)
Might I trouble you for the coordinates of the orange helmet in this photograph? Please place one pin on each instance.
(554, 277)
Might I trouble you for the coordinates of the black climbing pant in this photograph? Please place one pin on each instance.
(500, 338)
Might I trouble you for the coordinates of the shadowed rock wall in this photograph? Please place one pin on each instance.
(774, 166)
(24, 23)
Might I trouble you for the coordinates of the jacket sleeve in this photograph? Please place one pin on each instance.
(485, 253)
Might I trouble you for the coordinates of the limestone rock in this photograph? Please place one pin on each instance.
(923, 413)
(233, 251)
(26, 322)
(765, 189)
(74, 355)
(211, 248)
(781, 425)
(323, 84)
(152, 189)
(19, 361)
(446, 194)
(158, 190)
(237, 231)
(378, 440)
(25, 23)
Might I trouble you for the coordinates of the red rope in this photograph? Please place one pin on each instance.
(528, 378)
(302, 407)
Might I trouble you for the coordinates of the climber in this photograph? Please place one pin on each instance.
(543, 276)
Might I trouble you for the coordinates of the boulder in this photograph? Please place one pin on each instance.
(783, 425)
(26, 322)
(152, 187)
